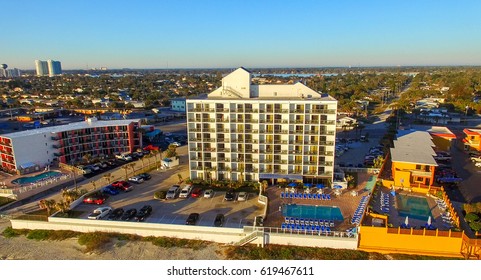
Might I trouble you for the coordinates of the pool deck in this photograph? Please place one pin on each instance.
(346, 202)
(397, 220)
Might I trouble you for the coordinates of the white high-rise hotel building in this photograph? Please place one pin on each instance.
(243, 131)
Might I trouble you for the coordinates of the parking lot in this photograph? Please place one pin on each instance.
(175, 211)
(356, 153)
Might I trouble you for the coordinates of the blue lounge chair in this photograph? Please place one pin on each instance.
(331, 223)
(328, 230)
(323, 228)
(291, 195)
(304, 195)
(282, 195)
(328, 196)
(324, 197)
(286, 220)
(301, 221)
(311, 222)
(318, 228)
(284, 226)
(316, 223)
(298, 227)
(296, 220)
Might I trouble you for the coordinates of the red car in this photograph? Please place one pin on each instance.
(196, 192)
(122, 185)
(95, 199)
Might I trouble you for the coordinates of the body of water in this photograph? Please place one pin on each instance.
(36, 178)
(318, 212)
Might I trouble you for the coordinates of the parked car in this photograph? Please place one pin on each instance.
(95, 199)
(124, 157)
(94, 167)
(209, 193)
(192, 219)
(116, 214)
(219, 220)
(129, 214)
(143, 213)
(136, 179)
(145, 176)
(110, 190)
(85, 169)
(185, 192)
(196, 192)
(122, 185)
(103, 164)
(100, 213)
(173, 192)
(242, 196)
(229, 195)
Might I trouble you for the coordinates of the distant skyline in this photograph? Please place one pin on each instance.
(228, 34)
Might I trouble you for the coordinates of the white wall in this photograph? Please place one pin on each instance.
(213, 234)
(239, 80)
(36, 148)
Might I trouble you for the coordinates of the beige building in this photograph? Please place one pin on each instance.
(243, 131)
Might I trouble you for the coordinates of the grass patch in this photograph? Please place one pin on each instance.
(5, 200)
(167, 242)
(56, 235)
(94, 241)
(279, 252)
(9, 232)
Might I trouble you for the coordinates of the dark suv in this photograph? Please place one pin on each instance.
(192, 219)
(219, 220)
(229, 195)
(143, 213)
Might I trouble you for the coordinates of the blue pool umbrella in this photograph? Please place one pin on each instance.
(307, 185)
(292, 184)
(337, 186)
(320, 186)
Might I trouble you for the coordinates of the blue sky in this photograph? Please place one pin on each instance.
(232, 33)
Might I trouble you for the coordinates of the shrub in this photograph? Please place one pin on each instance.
(94, 241)
(469, 208)
(38, 234)
(471, 217)
(9, 232)
(476, 226)
(160, 195)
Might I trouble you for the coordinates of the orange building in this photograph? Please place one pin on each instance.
(472, 139)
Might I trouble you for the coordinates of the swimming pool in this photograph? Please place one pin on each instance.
(33, 179)
(312, 212)
(413, 206)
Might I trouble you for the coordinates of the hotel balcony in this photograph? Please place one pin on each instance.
(56, 146)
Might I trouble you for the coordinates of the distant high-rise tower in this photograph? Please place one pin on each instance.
(49, 67)
(54, 68)
(41, 67)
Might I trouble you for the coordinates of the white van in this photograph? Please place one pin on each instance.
(185, 192)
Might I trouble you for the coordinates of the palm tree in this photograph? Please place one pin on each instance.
(180, 178)
(125, 167)
(108, 177)
(94, 185)
(132, 165)
(48, 204)
(62, 206)
(264, 186)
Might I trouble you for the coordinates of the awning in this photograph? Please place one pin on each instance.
(280, 176)
(27, 165)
